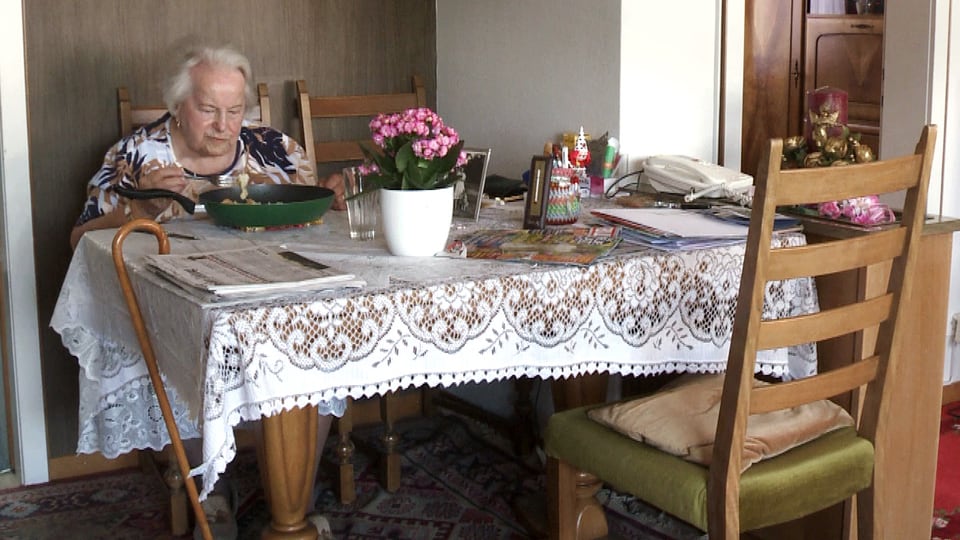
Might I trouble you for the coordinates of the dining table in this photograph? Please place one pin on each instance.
(285, 357)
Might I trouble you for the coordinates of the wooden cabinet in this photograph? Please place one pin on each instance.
(772, 76)
(846, 52)
(788, 52)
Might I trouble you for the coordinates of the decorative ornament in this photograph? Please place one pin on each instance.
(831, 144)
(581, 154)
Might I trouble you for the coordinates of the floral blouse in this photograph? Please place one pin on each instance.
(262, 152)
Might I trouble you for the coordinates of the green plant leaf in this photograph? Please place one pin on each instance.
(415, 178)
(405, 157)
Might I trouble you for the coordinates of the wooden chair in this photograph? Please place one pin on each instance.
(365, 106)
(131, 117)
(313, 108)
(807, 478)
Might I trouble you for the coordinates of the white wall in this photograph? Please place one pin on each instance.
(945, 111)
(16, 254)
(949, 49)
(670, 78)
(512, 75)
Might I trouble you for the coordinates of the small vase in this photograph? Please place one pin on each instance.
(416, 223)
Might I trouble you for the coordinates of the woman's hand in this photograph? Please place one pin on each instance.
(334, 182)
(169, 177)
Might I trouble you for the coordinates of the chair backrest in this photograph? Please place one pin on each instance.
(896, 246)
(133, 117)
(328, 107)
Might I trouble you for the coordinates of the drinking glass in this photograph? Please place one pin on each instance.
(363, 203)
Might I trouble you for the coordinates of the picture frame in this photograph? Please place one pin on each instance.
(468, 195)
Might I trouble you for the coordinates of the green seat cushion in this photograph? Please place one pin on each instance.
(806, 479)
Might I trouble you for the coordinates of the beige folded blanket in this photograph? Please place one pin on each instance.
(682, 420)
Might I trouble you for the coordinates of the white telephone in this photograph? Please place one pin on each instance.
(695, 178)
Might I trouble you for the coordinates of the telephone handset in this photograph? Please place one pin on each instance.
(695, 178)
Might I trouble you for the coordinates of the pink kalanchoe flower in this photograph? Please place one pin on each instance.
(424, 133)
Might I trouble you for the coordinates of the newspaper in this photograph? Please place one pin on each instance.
(252, 270)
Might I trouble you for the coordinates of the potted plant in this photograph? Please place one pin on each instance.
(416, 162)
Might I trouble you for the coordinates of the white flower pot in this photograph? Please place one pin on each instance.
(416, 223)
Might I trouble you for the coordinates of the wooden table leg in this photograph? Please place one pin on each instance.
(289, 449)
(523, 407)
(390, 461)
(575, 392)
(345, 450)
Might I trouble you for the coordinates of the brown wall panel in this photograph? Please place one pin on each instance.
(79, 51)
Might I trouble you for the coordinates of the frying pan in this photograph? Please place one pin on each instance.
(280, 204)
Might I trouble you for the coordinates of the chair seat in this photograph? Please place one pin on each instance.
(679, 487)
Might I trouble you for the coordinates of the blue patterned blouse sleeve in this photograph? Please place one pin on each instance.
(278, 154)
(123, 164)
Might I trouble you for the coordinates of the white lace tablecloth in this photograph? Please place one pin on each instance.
(433, 321)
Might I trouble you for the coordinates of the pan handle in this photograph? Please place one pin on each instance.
(131, 193)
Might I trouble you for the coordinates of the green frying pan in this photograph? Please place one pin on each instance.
(278, 205)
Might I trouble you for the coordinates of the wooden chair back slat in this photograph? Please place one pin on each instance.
(832, 257)
(840, 321)
(805, 186)
(817, 387)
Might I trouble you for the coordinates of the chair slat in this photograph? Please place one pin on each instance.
(346, 106)
(837, 256)
(778, 333)
(821, 386)
(328, 152)
(807, 186)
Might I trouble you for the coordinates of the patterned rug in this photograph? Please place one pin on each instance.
(459, 480)
(124, 505)
(946, 499)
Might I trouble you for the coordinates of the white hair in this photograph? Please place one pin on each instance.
(180, 86)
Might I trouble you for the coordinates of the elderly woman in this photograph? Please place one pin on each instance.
(204, 135)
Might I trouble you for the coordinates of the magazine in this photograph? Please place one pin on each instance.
(571, 245)
(252, 270)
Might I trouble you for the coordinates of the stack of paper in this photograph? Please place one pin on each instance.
(673, 229)
(253, 270)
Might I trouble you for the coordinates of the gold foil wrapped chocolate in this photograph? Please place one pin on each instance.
(835, 147)
(791, 144)
(812, 160)
(864, 154)
(820, 134)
